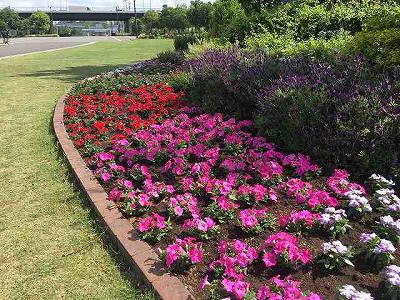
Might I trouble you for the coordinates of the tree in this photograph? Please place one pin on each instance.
(179, 17)
(132, 26)
(10, 18)
(199, 13)
(3, 25)
(174, 18)
(40, 22)
(24, 26)
(150, 20)
(226, 14)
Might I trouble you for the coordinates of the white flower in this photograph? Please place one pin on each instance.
(366, 237)
(325, 219)
(386, 220)
(384, 246)
(381, 180)
(362, 296)
(347, 291)
(335, 247)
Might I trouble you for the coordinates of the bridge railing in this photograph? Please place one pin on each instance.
(139, 8)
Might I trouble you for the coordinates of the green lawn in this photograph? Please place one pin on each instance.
(50, 244)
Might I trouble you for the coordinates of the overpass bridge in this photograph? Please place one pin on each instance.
(84, 15)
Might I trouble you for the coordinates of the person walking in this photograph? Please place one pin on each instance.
(5, 36)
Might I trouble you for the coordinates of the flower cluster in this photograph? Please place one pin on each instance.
(92, 120)
(286, 288)
(230, 268)
(283, 248)
(389, 228)
(183, 252)
(339, 183)
(392, 276)
(381, 182)
(222, 209)
(153, 228)
(249, 194)
(256, 220)
(201, 174)
(201, 228)
(336, 255)
(301, 164)
(183, 205)
(379, 251)
(350, 292)
(388, 200)
(357, 203)
(335, 220)
(299, 221)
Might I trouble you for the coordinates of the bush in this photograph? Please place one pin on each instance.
(285, 45)
(341, 114)
(339, 111)
(172, 57)
(228, 80)
(380, 41)
(306, 19)
(182, 42)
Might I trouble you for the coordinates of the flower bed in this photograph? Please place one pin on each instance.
(233, 216)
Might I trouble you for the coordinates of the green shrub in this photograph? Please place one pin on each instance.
(172, 57)
(380, 40)
(382, 46)
(181, 42)
(310, 19)
(285, 45)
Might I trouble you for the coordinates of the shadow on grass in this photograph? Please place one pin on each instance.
(72, 74)
(107, 240)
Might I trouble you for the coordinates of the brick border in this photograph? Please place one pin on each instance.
(137, 253)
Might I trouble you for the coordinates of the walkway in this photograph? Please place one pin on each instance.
(34, 44)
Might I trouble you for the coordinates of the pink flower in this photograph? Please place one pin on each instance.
(204, 282)
(238, 246)
(263, 293)
(145, 224)
(172, 254)
(224, 203)
(184, 249)
(269, 259)
(105, 176)
(178, 211)
(321, 198)
(144, 200)
(238, 288)
(280, 245)
(249, 217)
(160, 221)
(195, 255)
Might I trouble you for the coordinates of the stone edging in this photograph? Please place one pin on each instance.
(138, 253)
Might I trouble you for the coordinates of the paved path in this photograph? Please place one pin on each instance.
(34, 44)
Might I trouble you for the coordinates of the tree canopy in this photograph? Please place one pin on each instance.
(40, 22)
(9, 19)
(199, 13)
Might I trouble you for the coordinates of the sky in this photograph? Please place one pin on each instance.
(100, 4)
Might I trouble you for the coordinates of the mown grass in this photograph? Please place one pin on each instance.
(50, 243)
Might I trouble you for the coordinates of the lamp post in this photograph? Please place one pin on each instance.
(116, 8)
(51, 19)
(136, 24)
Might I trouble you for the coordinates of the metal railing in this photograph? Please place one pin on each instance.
(90, 9)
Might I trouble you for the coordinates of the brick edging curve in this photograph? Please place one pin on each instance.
(137, 253)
